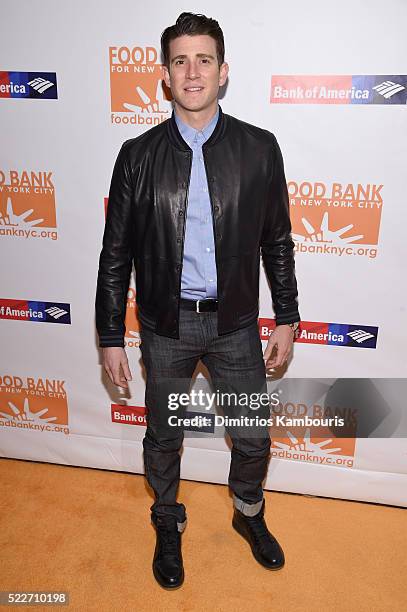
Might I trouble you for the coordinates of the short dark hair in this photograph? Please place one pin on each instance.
(193, 24)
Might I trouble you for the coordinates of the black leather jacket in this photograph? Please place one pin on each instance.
(145, 224)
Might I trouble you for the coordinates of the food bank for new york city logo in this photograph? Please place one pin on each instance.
(137, 91)
(317, 445)
(335, 219)
(33, 403)
(27, 204)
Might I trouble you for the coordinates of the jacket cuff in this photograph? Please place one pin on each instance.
(287, 317)
(111, 340)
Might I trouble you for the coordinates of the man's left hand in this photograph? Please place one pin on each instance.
(281, 338)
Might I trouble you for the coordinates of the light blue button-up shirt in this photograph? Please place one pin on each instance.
(198, 279)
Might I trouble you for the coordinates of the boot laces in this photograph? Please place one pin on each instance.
(169, 537)
(259, 530)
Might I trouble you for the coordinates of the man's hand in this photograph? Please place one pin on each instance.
(282, 338)
(116, 365)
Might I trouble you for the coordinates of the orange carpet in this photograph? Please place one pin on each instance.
(88, 532)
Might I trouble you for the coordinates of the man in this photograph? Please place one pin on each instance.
(193, 202)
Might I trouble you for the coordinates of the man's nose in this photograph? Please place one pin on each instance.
(192, 70)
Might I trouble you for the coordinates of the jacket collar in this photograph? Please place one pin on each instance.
(177, 140)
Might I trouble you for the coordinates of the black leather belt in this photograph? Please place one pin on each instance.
(199, 305)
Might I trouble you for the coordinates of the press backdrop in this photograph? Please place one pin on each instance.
(79, 78)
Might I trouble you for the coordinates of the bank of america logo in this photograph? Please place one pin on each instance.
(29, 85)
(360, 335)
(35, 311)
(40, 84)
(56, 312)
(387, 89)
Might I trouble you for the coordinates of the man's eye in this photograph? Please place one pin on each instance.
(178, 61)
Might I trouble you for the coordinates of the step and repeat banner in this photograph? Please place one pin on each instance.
(79, 78)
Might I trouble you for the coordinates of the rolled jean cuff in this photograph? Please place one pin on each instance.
(245, 508)
(181, 526)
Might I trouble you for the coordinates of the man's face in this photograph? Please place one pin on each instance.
(194, 75)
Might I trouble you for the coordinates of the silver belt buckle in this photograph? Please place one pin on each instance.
(197, 306)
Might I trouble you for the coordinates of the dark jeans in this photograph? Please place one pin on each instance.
(234, 360)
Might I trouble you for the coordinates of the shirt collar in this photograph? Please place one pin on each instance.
(190, 134)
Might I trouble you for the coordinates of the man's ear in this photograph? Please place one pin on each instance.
(166, 75)
(223, 73)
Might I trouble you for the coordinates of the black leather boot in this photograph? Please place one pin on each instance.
(167, 563)
(265, 548)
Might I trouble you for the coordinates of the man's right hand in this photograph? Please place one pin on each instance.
(116, 365)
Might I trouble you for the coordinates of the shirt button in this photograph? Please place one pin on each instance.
(181, 213)
(205, 189)
(216, 208)
(208, 249)
(178, 240)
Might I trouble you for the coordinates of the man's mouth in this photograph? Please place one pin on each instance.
(193, 89)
